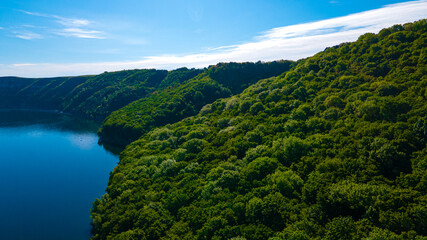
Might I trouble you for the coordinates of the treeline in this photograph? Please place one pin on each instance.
(335, 148)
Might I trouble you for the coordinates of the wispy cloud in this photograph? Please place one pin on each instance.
(23, 64)
(28, 35)
(29, 26)
(72, 22)
(72, 27)
(81, 33)
(34, 13)
(289, 42)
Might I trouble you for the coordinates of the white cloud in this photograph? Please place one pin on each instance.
(69, 22)
(34, 14)
(29, 26)
(72, 22)
(28, 35)
(289, 42)
(23, 64)
(81, 33)
(72, 27)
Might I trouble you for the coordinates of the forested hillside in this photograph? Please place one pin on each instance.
(144, 99)
(335, 148)
(105, 93)
(44, 93)
(90, 96)
(175, 103)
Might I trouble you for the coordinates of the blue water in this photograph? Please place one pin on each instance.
(51, 170)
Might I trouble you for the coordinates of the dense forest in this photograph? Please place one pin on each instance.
(329, 147)
(334, 148)
(179, 101)
(43, 93)
(160, 96)
(91, 96)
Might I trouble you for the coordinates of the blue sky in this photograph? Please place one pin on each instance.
(57, 38)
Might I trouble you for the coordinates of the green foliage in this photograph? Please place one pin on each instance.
(45, 93)
(259, 168)
(341, 228)
(185, 98)
(335, 148)
(330, 147)
(91, 96)
(238, 76)
(289, 150)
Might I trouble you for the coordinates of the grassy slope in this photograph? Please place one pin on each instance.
(334, 149)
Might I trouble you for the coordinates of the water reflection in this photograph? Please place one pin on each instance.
(36, 133)
(82, 129)
(47, 119)
(51, 170)
(83, 141)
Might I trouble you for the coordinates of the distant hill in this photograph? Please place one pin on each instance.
(44, 93)
(160, 96)
(169, 105)
(90, 96)
(334, 148)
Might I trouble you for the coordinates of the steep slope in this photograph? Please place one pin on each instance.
(183, 100)
(46, 93)
(333, 149)
(91, 96)
(105, 93)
